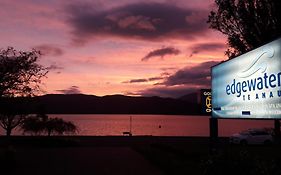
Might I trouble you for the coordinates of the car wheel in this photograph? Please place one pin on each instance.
(243, 142)
(267, 142)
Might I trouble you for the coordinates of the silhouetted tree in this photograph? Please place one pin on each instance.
(59, 126)
(20, 76)
(34, 124)
(10, 121)
(247, 24)
(41, 124)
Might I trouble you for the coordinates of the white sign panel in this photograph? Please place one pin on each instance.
(249, 86)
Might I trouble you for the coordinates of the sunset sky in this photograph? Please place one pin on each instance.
(104, 47)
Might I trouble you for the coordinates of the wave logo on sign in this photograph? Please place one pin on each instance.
(259, 63)
(208, 104)
(208, 101)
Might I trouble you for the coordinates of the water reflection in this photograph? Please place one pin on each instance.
(171, 125)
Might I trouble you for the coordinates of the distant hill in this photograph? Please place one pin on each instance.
(191, 98)
(111, 104)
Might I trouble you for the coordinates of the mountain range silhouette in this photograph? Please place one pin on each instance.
(110, 104)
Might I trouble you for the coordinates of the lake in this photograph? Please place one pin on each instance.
(156, 125)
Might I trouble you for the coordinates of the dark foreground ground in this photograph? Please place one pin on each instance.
(134, 156)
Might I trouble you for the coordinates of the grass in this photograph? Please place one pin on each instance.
(172, 155)
(227, 159)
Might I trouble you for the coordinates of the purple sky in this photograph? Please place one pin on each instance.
(130, 47)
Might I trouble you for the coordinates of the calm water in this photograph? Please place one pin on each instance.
(171, 125)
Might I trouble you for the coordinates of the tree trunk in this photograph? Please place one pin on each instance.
(49, 132)
(8, 132)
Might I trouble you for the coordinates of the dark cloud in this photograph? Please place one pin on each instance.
(70, 90)
(165, 74)
(193, 53)
(55, 67)
(198, 75)
(169, 68)
(161, 53)
(148, 21)
(206, 47)
(155, 78)
(182, 82)
(142, 80)
(47, 49)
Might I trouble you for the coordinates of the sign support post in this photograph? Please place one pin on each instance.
(213, 139)
(213, 124)
(277, 128)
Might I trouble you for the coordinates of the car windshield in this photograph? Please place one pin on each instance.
(259, 133)
(254, 132)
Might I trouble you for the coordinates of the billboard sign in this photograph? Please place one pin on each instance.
(249, 86)
(206, 101)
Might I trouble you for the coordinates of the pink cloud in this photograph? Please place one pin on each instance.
(118, 34)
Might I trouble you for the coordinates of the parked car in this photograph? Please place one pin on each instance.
(252, 136)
